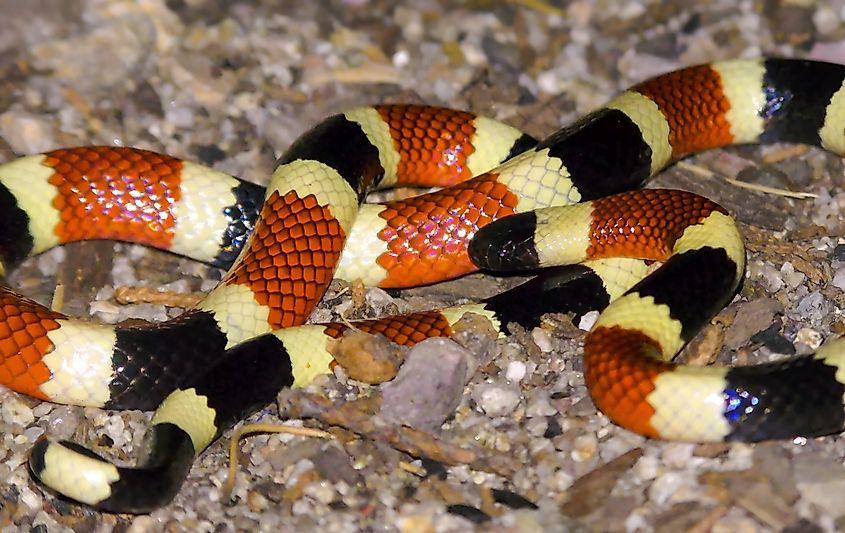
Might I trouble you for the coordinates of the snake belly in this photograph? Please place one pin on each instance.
(312, 203)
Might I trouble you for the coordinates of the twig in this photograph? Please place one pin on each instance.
(248, 429)
(543, 7)
(134, 295)
(701, 171)
(409, 440)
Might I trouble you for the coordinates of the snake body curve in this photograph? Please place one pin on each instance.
(311, 205)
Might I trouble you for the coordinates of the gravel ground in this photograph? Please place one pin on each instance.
(233, 83)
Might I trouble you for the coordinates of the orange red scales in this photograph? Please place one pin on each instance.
(24, 325)
(433, 144)
(694, 104)
(620, 375)
(406, 330)
(644, 225)
(427, 236)
(108, 192)
(290, 258)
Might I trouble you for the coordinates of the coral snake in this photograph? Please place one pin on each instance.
(232, 353)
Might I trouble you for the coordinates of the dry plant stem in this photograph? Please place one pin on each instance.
(409, 440)
(701, 171)
(541, 6)
(248, 429)
(134, 295)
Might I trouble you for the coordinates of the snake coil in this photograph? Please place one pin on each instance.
(228, 356)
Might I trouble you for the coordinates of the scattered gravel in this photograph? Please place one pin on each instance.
(233, 83)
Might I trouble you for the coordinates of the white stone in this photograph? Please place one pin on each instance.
(515, 371)
(496, 400)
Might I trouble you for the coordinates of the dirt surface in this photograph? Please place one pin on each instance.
(232, 84)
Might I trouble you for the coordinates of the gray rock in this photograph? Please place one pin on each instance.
(428, 387)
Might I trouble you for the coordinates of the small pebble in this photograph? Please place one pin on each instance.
(587, 321)
(809, 337)
(839, 277)
(322, 491)
(678, 454)
(512, 499)
(668, 485)
(473, 514)
(792, 277)
(539, 405)
(647, 468)
(839, 252)
(495, 399)
(15, 411)
(515, 371)
(812, 305)
(542, 339)
(586, 447)
(415, 524)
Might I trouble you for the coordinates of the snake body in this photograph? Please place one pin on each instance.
(229, 355)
